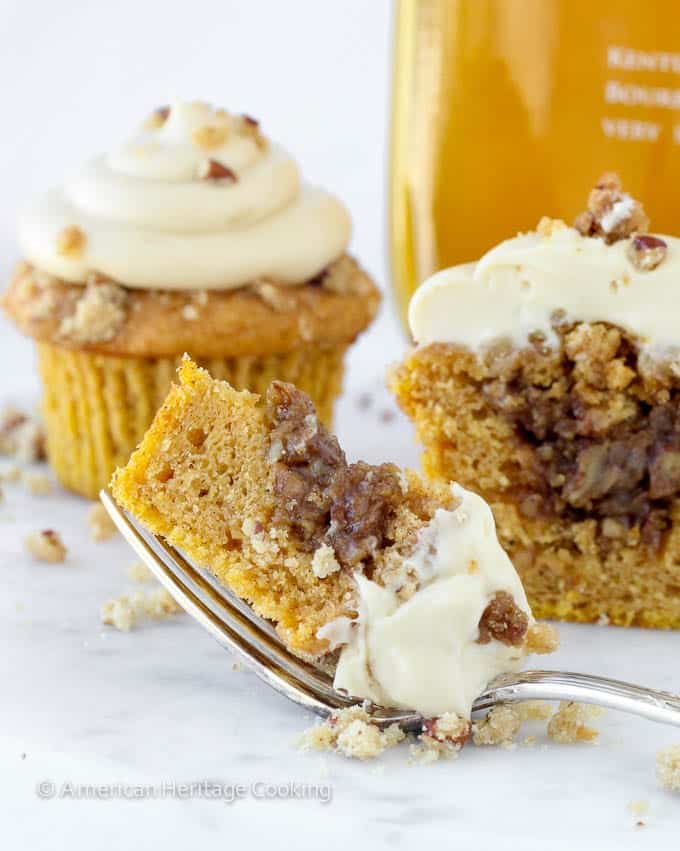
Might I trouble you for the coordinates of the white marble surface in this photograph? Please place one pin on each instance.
(82, 703)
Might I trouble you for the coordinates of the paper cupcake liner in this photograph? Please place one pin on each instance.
(97, 407)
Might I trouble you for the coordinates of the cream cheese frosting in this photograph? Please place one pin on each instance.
(516, 288)
(423, 653)
(150, 220)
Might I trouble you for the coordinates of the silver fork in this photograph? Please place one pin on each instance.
(253, 640)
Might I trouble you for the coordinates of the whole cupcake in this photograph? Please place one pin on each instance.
(197, 236)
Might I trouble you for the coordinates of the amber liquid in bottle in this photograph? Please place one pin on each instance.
(507, 110)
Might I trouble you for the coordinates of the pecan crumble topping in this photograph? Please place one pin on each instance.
(98, 316)
(611, 213)
(503, 620)
(322, 498)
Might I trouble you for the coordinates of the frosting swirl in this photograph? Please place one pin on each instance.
(199, 199)
(517, 289)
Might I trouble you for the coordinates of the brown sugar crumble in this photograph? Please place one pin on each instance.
(321, 498)
(215, 171)
(668, 768)
(99, 314)
(46, 546)
(606, 433)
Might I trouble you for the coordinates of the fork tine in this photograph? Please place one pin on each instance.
(241, 634)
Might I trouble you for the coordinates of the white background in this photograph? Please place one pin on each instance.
(86, 704)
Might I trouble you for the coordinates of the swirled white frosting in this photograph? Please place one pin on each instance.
(516, 288)
(423, 653)
(149, 219)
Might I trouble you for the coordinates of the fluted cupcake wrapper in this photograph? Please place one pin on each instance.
(97, 407)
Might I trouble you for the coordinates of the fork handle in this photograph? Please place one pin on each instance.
(661, 706)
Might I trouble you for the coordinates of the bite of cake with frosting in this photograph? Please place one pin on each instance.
(547, 374)
(401, 586)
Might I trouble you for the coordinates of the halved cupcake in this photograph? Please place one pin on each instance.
(198, 236)
(548, 374)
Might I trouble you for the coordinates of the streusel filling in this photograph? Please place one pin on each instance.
(605, 432)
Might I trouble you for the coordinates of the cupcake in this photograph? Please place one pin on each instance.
(547, 378)
(197, 236)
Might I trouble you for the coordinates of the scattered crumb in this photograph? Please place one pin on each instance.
(668, 768)
(351, 733)
(21, 436)
(529, 741)
(568, 725)
(441, 738)
(139, 572)
(101, 525)
(124, 612)
(324, 562)
(542, 638)
(237, 667)
(10, 474)
(638, 808)
(37, 484)
(46, 546)
(119, 613)
(499, 727)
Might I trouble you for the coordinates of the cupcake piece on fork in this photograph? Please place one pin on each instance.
(401, 585)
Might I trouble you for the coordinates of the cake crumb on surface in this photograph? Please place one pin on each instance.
(139, 572)
(499, 727)
(351, 733)
(123, 612)
(668, 768)
(441, 738)
(46, 545)
(37, 484)
(101, 525)
(21, 436)
(639, 807)
(569, 724)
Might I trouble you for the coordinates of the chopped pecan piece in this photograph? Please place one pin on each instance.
(646, 252)
(214, 170)
(503, 620)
